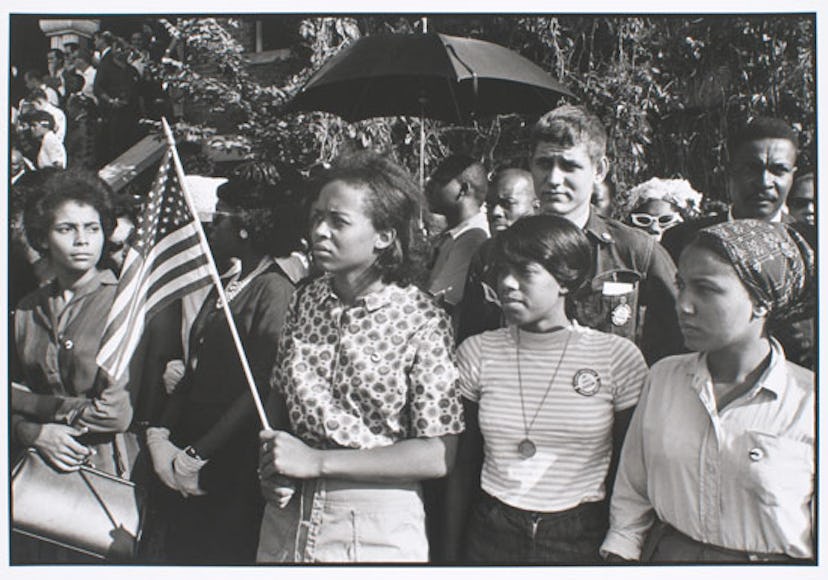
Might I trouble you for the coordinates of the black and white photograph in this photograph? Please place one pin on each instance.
(418, 290)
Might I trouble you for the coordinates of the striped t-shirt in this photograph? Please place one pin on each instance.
(601, 374)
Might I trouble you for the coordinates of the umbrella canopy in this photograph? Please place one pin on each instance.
(429, 75)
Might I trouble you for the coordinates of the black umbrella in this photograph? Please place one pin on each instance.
(429, 75)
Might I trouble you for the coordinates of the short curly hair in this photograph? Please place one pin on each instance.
(78, 185)
(394, 201)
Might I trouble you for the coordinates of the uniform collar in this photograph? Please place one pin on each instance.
(596, 227)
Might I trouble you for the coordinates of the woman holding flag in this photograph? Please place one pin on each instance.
(63, 405)
(364, 382)
(205, 449)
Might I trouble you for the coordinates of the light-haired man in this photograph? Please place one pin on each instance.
(631, 289)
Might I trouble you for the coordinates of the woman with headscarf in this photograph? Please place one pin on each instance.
(205, 447)
(718, 464)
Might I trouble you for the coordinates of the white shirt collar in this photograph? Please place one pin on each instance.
(777, 217)
(478, 220)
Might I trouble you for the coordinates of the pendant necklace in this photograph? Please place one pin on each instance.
(527, 448)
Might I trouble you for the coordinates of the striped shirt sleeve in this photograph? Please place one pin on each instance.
(469, 358)
(629, 371)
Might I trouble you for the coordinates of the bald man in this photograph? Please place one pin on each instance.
(511, 197)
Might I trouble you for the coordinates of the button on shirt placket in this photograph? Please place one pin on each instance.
(63, 343)
(710, 464)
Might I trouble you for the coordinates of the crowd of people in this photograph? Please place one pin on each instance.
(84, 110)
(535, 383)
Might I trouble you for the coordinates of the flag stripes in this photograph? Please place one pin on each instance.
(166, 261)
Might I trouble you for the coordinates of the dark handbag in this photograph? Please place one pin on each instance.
(87, 510)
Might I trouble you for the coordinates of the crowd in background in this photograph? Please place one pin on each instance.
(513, 361)
(84, 109)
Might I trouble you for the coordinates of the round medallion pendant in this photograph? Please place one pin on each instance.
(526, 448)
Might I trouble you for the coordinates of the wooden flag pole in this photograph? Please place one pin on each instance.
(251, 383)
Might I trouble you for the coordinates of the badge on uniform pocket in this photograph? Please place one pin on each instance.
(621, 314)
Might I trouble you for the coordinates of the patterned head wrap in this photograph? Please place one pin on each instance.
(773, 261)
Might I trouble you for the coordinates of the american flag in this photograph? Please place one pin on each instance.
(165, 262)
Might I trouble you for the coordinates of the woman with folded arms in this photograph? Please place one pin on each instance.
(718, 464)
(62, 405)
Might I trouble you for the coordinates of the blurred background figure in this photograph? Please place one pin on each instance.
(19, 165)
(602, 196)
(35, 80)
(456, 190)
(116, 88)
(660, 204)
(42, 128)
(801, 199)
(40, 102)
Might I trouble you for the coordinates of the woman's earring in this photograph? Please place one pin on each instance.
(243, 234)
(760, 311)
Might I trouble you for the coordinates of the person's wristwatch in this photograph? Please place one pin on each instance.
(191, 451)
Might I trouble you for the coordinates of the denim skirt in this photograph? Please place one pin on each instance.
(341, 521)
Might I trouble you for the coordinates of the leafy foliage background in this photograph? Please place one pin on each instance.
(668, 88)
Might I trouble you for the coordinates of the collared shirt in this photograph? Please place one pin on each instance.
(88, 89)
(56, 346)
(51, 95)
(52, 153)
(775, 218)
(740, 478)
(60, 120)
(370, 374)
(455, 249)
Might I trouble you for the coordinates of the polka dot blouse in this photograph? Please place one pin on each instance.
(370, 374)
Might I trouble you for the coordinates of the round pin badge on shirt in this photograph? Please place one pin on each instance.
(621, 314)
(586, 382)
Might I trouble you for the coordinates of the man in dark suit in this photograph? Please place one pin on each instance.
(763, 155)
(116, 88)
